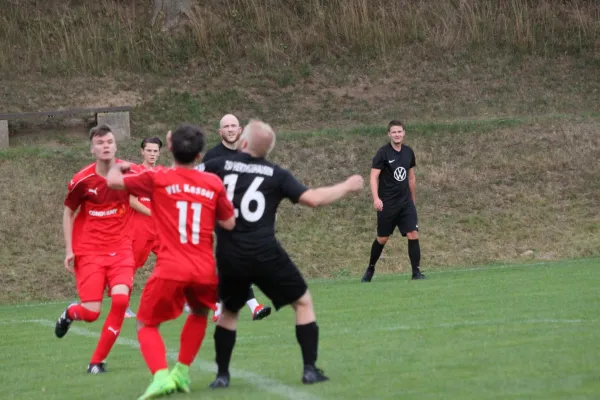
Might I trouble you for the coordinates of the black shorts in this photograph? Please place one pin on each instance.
(404, 217)
(273, 272)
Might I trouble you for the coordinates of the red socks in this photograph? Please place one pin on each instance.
(112, 327)
(77, 312)
(192, 336)
(153, 348)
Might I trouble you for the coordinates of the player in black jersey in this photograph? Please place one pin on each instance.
(393, 184)
(251, 254)
(230, 131)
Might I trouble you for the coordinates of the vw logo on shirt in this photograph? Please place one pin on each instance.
(400, 174)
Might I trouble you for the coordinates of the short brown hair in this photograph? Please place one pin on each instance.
(395, 122)
(154, 140)
(99, 131)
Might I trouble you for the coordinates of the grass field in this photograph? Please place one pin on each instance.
(495, 332)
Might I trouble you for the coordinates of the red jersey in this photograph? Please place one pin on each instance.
(186, 204)
(102, 224)
(143, 225)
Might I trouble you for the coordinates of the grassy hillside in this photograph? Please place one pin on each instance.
(303, 65)
(75, 37)
(501, 100)
(487, 191)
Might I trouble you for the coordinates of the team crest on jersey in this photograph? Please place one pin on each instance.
(400, 174)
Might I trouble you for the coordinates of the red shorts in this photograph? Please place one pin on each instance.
(163, 299)
(94, 272)
(141, 250)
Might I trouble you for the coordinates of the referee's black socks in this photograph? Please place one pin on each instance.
(414, 253)
(224, 342)
(376, 249)
(308, 338)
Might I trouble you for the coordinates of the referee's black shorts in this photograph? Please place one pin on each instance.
(273, 272)
(403, 217)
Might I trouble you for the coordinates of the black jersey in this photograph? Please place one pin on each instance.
(256, 187)
(393, 180)
(218, 151)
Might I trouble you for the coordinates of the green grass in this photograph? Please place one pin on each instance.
(497, 332)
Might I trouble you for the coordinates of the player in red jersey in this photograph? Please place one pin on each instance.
(144, 233)
(98, 246)
(186, 205)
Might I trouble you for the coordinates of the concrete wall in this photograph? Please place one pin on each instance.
(118, 121)
(3, 134)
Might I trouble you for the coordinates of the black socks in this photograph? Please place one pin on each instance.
(224, 342)
(308, 338)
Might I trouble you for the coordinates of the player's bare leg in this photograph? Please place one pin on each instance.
(307, 334)
(224, 336)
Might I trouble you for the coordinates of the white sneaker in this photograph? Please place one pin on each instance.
(187, 308)
(129, 313)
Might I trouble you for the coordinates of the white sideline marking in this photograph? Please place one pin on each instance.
(21, 321)
(44, 303)
(261, 382)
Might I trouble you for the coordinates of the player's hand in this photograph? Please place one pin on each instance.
(355, 183)
(68, 261)
(378, 204)
(124, 167)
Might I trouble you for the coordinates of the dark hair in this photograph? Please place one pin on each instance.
(99, 131)
(395, 122)
(187, 142)
(154, 140)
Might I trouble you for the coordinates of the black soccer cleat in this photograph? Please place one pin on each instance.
(63, 324)
(222, 381)
(261, 312)
(96, 369)
(368, 274)
(312, 375)
(417, 275)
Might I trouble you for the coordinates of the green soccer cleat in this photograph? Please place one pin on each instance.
(180, 374)
(161, 385)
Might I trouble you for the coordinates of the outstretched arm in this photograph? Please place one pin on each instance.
(329, 194)
(114, 180)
